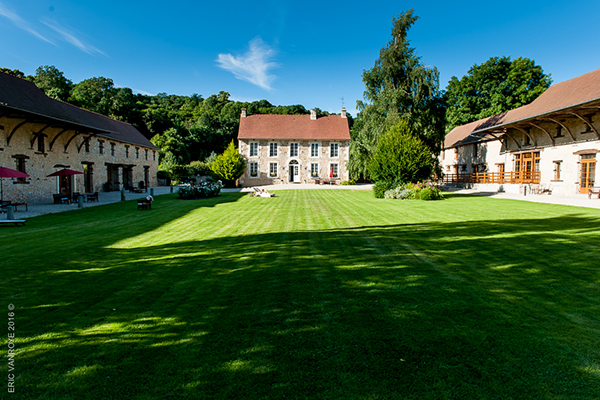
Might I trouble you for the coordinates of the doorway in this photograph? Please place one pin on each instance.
(294, 172)
(588, 172)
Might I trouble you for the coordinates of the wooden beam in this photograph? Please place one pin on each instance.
(40, 132)
(527, 134)
(56, 137)
(517, 143)
(543, 130)
(77, 133)
(588, 122)
(20, 124)
(557, 122)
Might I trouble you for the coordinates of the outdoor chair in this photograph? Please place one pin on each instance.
(92, 197)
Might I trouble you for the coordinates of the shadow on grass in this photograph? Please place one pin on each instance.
(485, 309)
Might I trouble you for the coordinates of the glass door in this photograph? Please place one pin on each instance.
(588, 172)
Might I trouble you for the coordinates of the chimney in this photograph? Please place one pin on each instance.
(313, 114)
(343, 112)
(243, 113)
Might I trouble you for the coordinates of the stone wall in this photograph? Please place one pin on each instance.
(283, 160)
(67, 148)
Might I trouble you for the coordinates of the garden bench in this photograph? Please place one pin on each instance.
(5, 204)
(17, 222)
(144, 204)
(594, 191)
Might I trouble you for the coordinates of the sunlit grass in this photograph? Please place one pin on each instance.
(311, 294)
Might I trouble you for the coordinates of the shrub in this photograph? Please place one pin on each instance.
(401, 157)
(430, 193)
(230, 165)
(400, 193)
(349, 182)
(379, 188)
(200, 168)
(200, 191)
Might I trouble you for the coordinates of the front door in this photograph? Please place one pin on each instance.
(294, 172)
(588, 172)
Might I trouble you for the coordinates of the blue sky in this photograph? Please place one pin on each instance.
(309, 53)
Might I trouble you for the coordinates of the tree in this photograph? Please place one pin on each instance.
(95, 94)
(399, 86)
(496, 86)
(230, 165)
(15, 72)
(401, 157)
(53, 82)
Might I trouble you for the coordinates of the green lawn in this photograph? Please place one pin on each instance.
(311, 294)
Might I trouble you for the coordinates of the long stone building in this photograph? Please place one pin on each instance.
(294, 148)
(548, 146)
(40, 135)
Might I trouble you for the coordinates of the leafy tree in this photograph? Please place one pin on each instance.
(230, 165)
(15, 72)
(53, 82)
(95, 94)
(401, 157)
(399, 86)
(496, 86)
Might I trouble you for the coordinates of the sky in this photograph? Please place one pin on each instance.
(309, 53)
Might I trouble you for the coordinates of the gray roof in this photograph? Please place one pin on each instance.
(22, 96)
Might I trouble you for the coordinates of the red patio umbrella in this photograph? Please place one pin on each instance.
(65, 172)
(9, 173)
(331, 173)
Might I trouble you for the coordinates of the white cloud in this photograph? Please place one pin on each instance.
(70, 37)
(21, 23)
(253, 66)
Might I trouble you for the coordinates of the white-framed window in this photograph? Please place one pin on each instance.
(254, 170)
(273, 170)
(253, 149)
(273, 149)
(334, 150)
(294, 149)
(314, 150)
(314, 170)
(333, 170)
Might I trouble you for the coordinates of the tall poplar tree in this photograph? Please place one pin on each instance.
(399, 86)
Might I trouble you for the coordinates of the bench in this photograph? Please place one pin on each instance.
(17, 222)
(594, 191)
(144, 204)
(4, 205)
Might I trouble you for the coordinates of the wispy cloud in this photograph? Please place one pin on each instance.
(253, 66)
(21, 23)
(70, 37)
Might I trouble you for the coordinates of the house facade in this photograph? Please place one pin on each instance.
(548, 146)
(294, 148)
(40, 135)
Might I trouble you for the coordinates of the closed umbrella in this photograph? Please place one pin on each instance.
(9, 173)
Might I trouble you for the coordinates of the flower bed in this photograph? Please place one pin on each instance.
(200, 191)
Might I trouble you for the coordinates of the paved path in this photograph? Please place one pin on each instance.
(578, 200)
(48, 207)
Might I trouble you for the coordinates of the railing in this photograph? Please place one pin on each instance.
(494, 177)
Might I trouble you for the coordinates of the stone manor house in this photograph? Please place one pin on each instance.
(548, 146)
(294, 148)
(40, 135)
